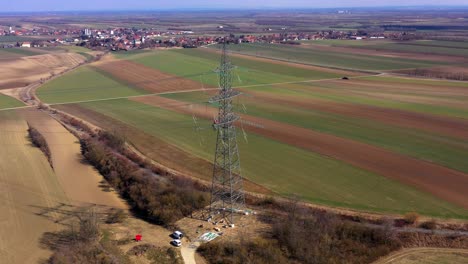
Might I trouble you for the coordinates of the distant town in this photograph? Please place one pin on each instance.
(124, 39)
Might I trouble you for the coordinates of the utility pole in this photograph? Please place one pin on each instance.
(227, 194)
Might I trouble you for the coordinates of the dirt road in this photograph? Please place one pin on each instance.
(188, 250)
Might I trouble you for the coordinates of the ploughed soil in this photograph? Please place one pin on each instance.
(443, 182)
(23, 71)
(82, 184)
(28, 188)
(154, 148)
(454, 127)
(150, 79)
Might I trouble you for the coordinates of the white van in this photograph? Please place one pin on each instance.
(177, 235)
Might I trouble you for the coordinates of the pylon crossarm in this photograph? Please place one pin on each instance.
(224, 95)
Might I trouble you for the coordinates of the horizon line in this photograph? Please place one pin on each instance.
(421, 7)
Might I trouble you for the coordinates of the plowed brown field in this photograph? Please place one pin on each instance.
(147, 78)
(28, 186)
(443, 182)
(23, 71)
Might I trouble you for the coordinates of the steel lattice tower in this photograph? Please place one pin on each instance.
(227, 194)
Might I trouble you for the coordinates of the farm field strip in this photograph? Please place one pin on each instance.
(367, 50)
(149, 79)
(184, 91)
(248, 59)
(7, 102)
(380, 127)
(155, 148)
(424, 175)
(28, 187)
(133, 80)
(17, 52)
(84, 84)
(419, 48)
(80, 181)
(315, 177)
(329, 59)
(333, 92)
(191, 63)
(23, 71)
(433, 47)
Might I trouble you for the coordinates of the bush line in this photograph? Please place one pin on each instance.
(158, 199)
(39, 141)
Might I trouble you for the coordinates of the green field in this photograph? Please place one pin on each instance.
(313, 177)
(305, 91)
(84, 84)
(200, 65)
(453, 48)
(440, 149)
(9, 102)
(17, 52)
(308, 55)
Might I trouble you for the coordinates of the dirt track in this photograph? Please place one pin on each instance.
(147, 78)
(443, 182)
(80, 181)
(28, 187)
(444, 125)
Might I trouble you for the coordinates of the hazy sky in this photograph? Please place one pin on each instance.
(66, 5)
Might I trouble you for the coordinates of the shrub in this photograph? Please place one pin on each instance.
(39, 141)
(431, 225)
(411, 218)
(116, 216)
(160, 200)
(257, 251)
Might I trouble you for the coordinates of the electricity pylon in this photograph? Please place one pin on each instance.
(227, 194)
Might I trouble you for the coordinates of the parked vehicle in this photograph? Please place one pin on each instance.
(177, 235)
(176, 243)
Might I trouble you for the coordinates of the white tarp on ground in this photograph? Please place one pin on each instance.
(207, 237)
